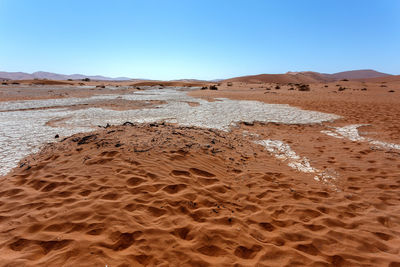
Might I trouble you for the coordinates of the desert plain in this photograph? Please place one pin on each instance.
(260, 172)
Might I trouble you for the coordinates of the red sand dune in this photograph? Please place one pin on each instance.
(309, 77)
(306, 77)
(393, 78)
(178, 196)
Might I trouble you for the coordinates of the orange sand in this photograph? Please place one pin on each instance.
(165, 195)
(177, 196)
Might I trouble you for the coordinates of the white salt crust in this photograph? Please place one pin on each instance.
(283, 152)
(351, 132)
(23, 131)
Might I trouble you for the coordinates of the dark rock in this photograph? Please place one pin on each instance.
(304, 87)
(86, 139)
(128, 123)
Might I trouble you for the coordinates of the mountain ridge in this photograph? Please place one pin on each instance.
(288, 77)
(55, 76)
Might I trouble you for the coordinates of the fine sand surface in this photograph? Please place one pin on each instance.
(361, 102)
(165, 195)
(260, 194)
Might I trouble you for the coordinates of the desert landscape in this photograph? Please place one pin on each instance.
(200, 133)
(266, 170)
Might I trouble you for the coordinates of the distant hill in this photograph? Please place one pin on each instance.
(290, 77)
(309, 77)
(358, 74)
(391, 78)
(189, 80)
(55, 76)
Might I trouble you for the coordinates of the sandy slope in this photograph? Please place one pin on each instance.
(166, 195)
(309, 77)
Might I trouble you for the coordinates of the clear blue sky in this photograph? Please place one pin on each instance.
(205, 39)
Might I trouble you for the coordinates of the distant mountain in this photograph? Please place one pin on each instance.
(309, 77)
(189, 80)
(196, 80)
(55, 76)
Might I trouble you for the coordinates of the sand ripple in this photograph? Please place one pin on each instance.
(178, 196)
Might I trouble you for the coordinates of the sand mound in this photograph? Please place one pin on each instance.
(311, 77)
(392, 78)
(291, 77)
(164, 195)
